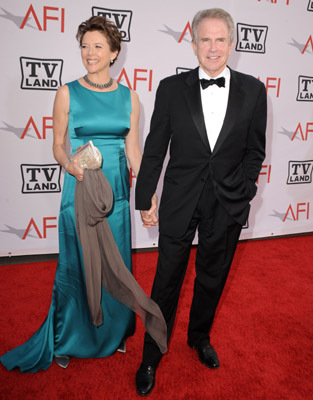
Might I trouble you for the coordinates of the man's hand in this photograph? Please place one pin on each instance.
(149, 217)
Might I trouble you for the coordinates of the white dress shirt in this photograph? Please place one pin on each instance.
(214, 103)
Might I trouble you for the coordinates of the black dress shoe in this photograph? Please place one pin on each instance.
(206, 354)
(145, 379)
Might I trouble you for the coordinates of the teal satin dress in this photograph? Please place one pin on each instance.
(104, 118)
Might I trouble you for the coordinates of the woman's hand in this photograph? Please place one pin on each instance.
(149, 217)
(74, 169)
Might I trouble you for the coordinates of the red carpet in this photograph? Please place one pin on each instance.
(263, 333)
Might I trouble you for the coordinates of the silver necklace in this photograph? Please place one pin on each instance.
(99, 85)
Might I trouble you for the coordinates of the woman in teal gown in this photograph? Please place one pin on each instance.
(108, 115)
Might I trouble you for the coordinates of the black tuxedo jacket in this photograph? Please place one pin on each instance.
(234, 165)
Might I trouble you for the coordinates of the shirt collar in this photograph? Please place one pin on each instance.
(225, 73)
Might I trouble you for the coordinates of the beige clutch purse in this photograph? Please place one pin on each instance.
(89, 157)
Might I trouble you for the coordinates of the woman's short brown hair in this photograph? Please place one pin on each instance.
(104, 26)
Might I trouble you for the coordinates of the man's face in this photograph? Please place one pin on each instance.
(212, 48)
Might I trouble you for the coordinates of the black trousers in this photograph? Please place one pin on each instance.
(218, 236)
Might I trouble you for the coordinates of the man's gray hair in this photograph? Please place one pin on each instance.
(216, 13)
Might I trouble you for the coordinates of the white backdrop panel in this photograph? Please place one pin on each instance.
(39, 52)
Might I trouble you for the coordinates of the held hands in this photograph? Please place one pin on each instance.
(149, 217)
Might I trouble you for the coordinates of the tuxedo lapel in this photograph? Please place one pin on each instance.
(235, 101)
(193, 98)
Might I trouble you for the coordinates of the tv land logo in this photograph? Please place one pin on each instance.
(41, 74)
(299, 172)
(41, 178)
(121, 18)
(305, 88)
(310, 5)
(251, 38)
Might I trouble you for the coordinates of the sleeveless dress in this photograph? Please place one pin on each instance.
(104, 118)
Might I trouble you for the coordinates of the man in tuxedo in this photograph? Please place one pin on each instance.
(214, 120)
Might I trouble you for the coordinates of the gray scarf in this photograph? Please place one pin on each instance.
(102, 259)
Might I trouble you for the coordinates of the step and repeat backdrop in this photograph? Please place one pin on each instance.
(273, 42)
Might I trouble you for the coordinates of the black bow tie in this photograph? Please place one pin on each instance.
(220, 82)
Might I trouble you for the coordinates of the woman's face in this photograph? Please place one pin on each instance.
(95, 52)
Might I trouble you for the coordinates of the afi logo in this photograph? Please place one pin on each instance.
(48, 13)
(251, 38)
(40, 74)
(176, 35)
(179, 70)
(295, 213)
(45, 226)
(310, 5)
(246, 225)
(131, 177)
(305, 88)
(121, 18)
(309, 42)
(144, 75)
(275, 2)
(41, 178)
(303, 132)
(266, 170)
(272, 83)
(45, 126)
(300, 172)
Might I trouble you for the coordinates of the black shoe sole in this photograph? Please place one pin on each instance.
(193, 347)
(145, 394)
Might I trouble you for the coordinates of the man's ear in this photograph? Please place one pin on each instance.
(194, 47)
